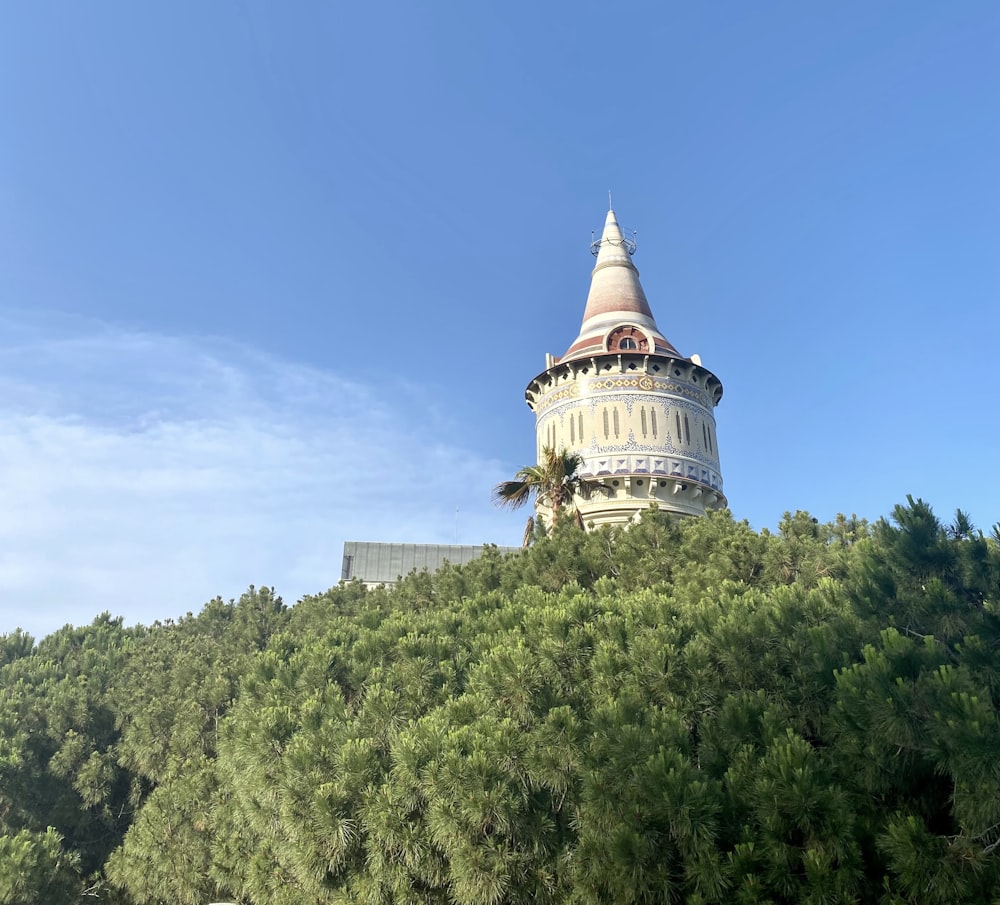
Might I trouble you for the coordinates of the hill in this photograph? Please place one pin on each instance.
(688, 712)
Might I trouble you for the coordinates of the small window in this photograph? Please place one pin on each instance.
(628, 344)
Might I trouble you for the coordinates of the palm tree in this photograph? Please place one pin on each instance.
(553, 482)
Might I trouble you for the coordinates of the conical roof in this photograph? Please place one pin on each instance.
(616, 299)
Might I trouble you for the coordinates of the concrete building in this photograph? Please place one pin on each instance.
(639, 413)
(377, 564)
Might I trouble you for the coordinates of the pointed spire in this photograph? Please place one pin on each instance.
(616, 296)
(618, 289)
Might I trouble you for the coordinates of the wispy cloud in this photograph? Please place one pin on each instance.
(145, 474)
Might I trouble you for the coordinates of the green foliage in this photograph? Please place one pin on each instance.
(171, 699)
(681, 712)
(166, 853)
(34, 867)
(14, 646)
(58, 776)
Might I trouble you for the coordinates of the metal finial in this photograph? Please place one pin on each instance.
(611, 207)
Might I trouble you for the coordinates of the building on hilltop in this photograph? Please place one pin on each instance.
(376, 564)
(637, 412)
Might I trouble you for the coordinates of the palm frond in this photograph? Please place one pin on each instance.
(553, 481)
(512, 494)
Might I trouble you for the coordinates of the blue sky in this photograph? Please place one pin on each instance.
(275, 276)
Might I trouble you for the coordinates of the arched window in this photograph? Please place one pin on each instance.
(628, 344)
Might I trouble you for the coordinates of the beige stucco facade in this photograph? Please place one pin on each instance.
(640, 415)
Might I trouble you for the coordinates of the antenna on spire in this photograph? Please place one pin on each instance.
(611, 207)
(626, 237)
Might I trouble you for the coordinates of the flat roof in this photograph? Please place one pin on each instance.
(379, 563)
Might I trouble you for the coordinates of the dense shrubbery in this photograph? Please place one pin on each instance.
(685, 713)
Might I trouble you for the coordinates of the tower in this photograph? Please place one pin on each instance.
(638, 413)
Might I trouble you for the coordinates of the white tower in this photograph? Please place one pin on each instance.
(638, 413)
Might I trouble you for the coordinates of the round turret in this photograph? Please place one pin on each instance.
(639, 415)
